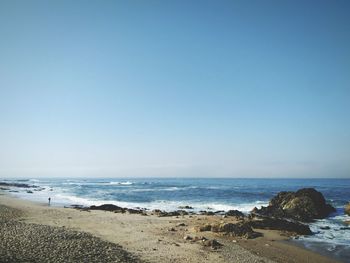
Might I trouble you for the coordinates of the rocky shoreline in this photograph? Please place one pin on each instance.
(286, 213)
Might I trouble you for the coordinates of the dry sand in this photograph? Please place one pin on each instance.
(160, 239)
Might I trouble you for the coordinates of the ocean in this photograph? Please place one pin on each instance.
(331, 236)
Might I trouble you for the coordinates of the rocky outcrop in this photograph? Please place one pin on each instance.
(107, 207)
(19, 185)
(161, 213)
(242, 229)
(282, 225)
(114, 208)
(347, 209)
(303, 205)
(234, 213)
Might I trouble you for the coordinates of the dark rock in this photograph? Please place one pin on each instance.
(214, 244)
(29, 192)
(20, 185)
(203, 228)
(161, 213)
(347, 209)
(234, 213)
(282, 225)
(75, 206)
(219, 212)
(200, 238)
(238, 230)
(242, 229)
(113, 208)
(185, 207)
(188, 238)
(325, 227)
(304, 205)
(207, 213)
(107, 207)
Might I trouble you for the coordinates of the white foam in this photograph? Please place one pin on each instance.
(330, 230)
(122, 183)
(67, 199)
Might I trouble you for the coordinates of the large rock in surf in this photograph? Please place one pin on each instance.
(347, 209)
(304, 205)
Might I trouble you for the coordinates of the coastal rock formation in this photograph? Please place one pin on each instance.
(242, 229)
(161, 213)
(304, 205)
(115, 209)
(347, 209)
(234, 213)
(282, 225)
(20, 185)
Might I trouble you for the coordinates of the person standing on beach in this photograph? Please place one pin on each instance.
(49, 200)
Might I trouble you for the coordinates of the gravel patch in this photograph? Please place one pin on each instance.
(23, 242)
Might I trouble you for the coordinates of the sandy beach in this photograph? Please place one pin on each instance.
(36, 232)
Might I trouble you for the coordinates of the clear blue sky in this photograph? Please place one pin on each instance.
(175, 88)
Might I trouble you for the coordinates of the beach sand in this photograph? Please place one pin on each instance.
(47, 233)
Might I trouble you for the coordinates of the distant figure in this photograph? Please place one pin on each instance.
(49, 200)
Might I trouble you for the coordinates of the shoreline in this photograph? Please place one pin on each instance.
(161, 239)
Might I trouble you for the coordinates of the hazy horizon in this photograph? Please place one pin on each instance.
(257, 89)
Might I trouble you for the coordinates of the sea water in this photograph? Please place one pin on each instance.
(331, 235)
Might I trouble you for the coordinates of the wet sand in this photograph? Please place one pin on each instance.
(129, 237)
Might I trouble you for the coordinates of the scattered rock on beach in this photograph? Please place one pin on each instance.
(282, 225)
(161, 213)
(304, 205)
(234, 213)
(187, 237)
(114, 208)
(214, 244)
(242, 229)
(206, 227)
(207, 213)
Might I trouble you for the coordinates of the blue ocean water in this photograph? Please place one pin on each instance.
(204, 194)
